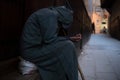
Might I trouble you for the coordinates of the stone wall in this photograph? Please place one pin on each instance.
(114, 20)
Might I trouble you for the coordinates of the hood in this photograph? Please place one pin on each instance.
(65, 15)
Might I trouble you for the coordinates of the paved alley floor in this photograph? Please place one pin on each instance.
(100, 59)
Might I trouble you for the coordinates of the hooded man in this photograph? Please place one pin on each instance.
(54, 55)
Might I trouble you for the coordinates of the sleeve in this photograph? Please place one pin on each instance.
(31, 35)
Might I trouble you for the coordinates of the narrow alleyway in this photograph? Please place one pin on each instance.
(100, 59)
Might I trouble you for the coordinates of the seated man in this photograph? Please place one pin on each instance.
(54, 55)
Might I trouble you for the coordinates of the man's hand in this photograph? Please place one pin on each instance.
(76, 38)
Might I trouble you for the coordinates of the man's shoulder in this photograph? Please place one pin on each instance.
(44, 11)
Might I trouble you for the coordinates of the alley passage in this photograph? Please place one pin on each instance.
(100, 59)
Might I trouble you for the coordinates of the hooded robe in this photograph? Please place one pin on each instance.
(55, 56)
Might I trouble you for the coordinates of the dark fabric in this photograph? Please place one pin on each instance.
(54, 56)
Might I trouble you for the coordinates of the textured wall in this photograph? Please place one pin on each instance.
(89, 7)
(11, 20)
(82, 22)
(114, 22)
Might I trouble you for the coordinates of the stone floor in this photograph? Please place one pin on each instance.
(100, 59)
